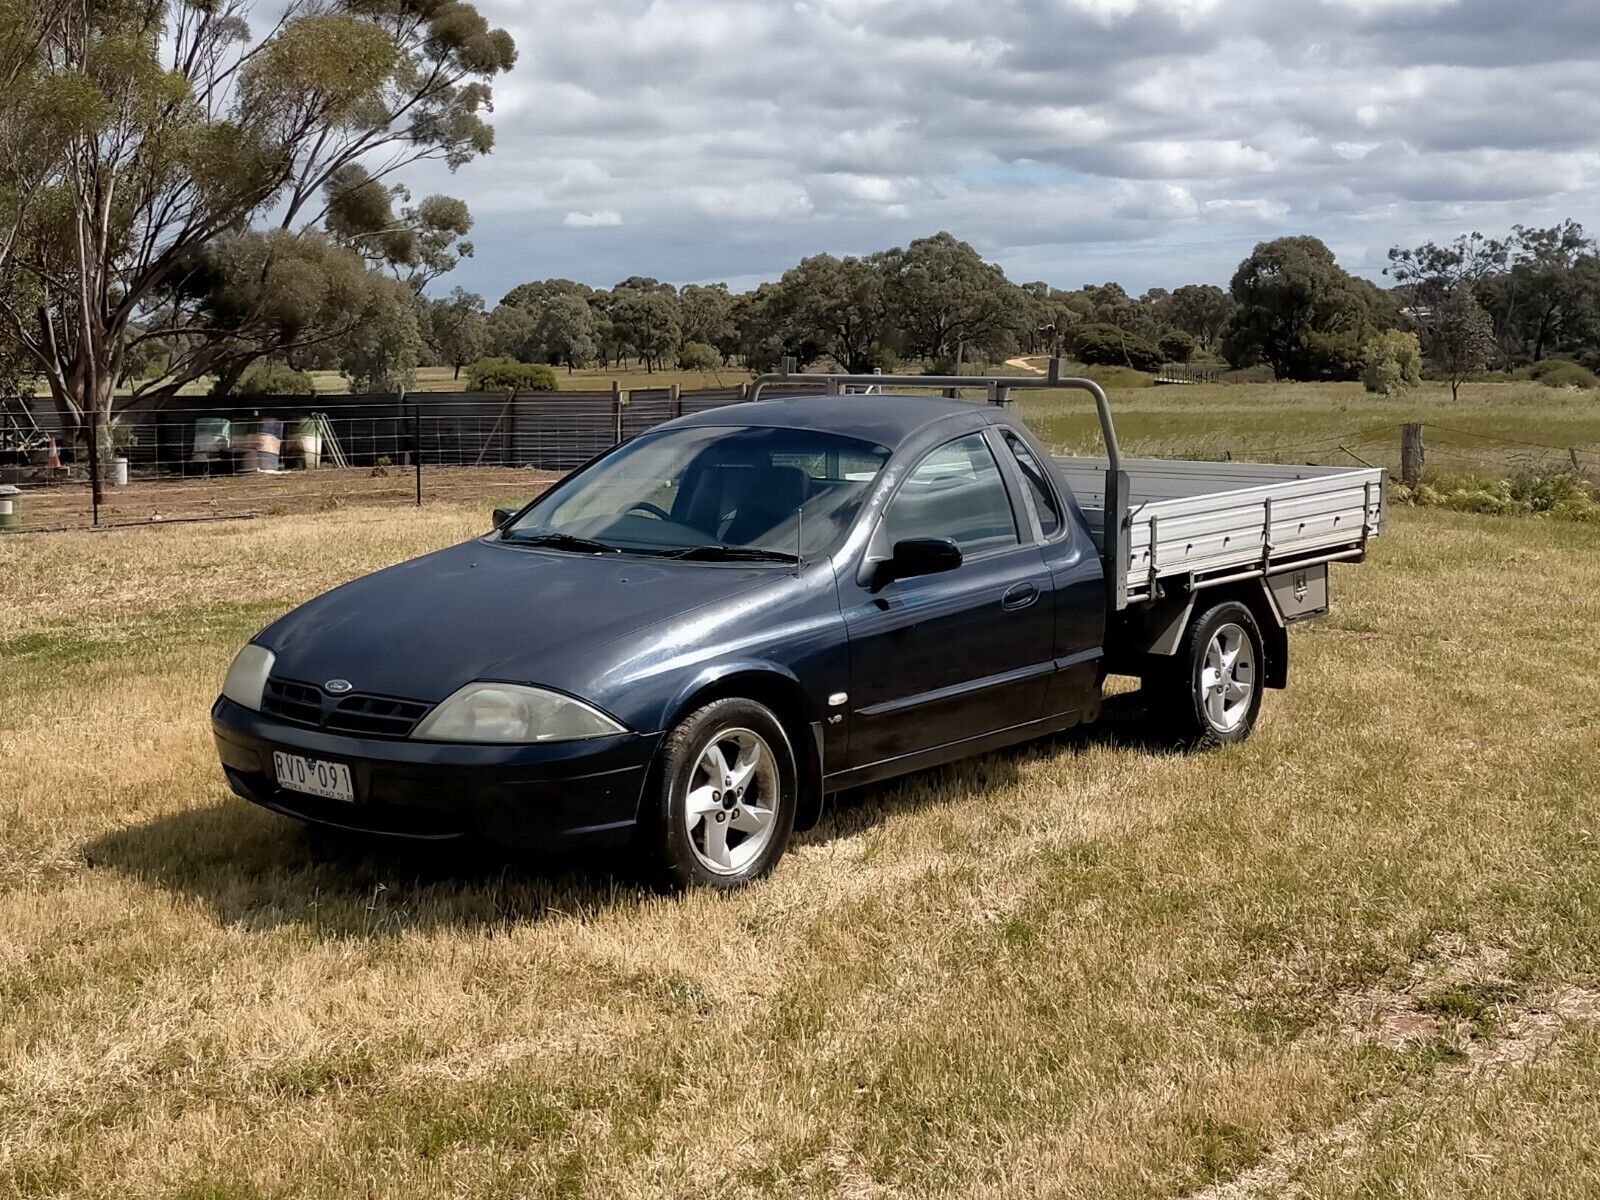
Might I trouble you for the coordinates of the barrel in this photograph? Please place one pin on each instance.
(119, 472)
(303, 446)
(211, 438)
(260, 447)
(10, 498)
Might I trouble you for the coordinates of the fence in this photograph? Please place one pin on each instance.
(302, 453)
(308, 453)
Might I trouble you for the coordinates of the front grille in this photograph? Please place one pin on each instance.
(296, 702)
(376, 714)
(306, 704)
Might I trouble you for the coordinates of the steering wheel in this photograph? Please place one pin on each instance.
(654, 510)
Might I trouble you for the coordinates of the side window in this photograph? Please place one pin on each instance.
(956, 492)
(1046, 504)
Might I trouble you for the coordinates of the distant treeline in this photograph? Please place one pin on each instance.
(1476, 303)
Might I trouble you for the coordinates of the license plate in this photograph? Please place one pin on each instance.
(313, 776)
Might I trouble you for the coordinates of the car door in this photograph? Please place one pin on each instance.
(943, 658)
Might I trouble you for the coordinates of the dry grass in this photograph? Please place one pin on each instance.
(1078, 969)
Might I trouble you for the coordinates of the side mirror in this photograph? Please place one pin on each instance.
(503, 515)
(918, 556)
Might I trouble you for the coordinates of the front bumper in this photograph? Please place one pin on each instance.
(551, 796)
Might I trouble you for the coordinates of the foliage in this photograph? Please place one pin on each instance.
(946, 300)
(1461, 342)
(698, 356)
(1301, 312)
(1201, 310)
(455, 328)
(504, 374)
(1391, 363)
(1177, 346)
(1559, 373)
(382, 345)
(567, 331)
(1108, 346)
(1557, 494)
(268, 377)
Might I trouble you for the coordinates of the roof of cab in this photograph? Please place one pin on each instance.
(887, 419)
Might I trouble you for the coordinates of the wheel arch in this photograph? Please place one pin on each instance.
(1147, 638)
(781, 691)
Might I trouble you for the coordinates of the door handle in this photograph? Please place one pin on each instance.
(1020, 596)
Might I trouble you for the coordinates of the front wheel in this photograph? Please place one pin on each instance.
(724, 799)
(1209, 693)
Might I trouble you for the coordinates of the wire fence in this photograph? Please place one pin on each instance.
(306, 453)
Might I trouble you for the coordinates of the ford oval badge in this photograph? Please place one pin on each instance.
(338, 687)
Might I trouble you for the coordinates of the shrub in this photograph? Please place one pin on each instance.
(1177, 346)
(697, 356)
(1107, 346)
(1260, 373)
(1558, 494)
(503, 374)
(1391, 362)
(1118, 377)
(940, 366)
(1560, 373)
(266, 378)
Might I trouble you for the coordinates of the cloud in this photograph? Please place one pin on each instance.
(600, 218)
(1069, 139)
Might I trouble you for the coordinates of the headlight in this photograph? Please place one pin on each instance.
(247, 678)
(505, 712)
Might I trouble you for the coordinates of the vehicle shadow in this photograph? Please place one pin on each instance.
(256, 870)
(259, 871)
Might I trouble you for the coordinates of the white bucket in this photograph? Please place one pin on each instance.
(119, 473)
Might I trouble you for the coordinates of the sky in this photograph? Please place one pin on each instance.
(1153, 142)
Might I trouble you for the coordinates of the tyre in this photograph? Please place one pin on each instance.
(723, 797)
(1209, 693)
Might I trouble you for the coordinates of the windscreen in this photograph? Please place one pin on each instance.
(784, 491)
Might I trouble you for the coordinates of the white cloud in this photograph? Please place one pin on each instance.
(1062, 136)
(600, 218)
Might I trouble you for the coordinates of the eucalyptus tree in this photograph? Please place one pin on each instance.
(147, 145)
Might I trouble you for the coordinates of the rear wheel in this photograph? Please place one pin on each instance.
(724, 796)
(1209, 693)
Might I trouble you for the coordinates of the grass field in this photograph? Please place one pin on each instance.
(1356, 955)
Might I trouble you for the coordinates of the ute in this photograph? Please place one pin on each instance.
(684, 647)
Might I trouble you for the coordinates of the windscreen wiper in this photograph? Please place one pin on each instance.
(566, 541)
(718, 553)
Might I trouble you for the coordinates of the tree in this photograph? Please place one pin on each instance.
(646, 315)
(382, 346)
(1392, 362)
(836, 305)
(1463, 341)
(456, 329)
(417, 245)
(946, 301)
(134, 136)
(1552, 291)
(566, 331)
(706, 314)
(1201, 310)
(698, 356)
(513, 332)
(1177, 346)
(1102, 345)
(1301, 312)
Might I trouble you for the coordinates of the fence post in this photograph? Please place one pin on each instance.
(1411, 453)
(416, 446)
(616, 412)
(675, 400)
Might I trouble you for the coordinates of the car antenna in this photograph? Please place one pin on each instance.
(799, 537)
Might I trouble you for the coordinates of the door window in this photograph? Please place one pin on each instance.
(957, 493)
(1046, 505)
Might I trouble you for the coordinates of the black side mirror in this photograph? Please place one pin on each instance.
(503, 515)
(918, 556)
